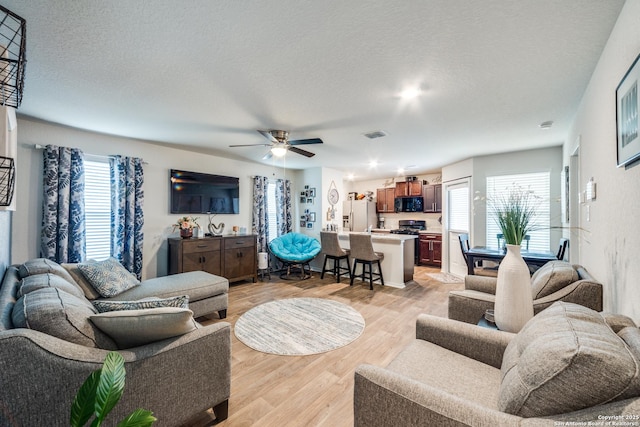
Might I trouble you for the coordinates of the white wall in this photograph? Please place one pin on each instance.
(477, 169)
(610, 240)
(157, 223)
(321, 179)
(528, 161)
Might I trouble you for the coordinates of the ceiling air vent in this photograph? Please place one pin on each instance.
(375, 134)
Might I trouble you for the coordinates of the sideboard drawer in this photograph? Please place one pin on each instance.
(201, 245)
(239, 242)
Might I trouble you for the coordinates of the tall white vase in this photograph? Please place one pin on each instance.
(514, 303)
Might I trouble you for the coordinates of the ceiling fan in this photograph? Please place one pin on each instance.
(280, 144)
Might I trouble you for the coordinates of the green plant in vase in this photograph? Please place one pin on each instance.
(100, 392)
(514, 212)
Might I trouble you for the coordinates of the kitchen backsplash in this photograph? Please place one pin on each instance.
(391, 220)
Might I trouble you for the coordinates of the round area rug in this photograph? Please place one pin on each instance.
(299, 326)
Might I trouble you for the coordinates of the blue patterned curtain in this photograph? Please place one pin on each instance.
(127, 218)
(63, 228)
(260, 222)
(283, 206)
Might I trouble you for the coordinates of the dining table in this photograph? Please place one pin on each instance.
(477, 253)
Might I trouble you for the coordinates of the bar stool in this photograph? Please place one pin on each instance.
(362, 253)
(332, 250)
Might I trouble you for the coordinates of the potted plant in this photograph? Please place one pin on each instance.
(186, 224)
(100, 392)
(514, 212)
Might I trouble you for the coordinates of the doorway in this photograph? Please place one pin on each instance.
(457, 222)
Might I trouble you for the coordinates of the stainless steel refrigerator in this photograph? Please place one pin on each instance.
(359, 215)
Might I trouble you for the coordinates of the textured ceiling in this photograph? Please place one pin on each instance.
(207, 74)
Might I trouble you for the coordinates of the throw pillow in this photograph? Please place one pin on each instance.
(565, 359)
(73, 270)
(552, 277)
(132, 328)
(59, 314)
(109, 278)
(41, 266)
(47, 280)
(105, 306)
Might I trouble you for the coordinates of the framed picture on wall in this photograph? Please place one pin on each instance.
(628, 141)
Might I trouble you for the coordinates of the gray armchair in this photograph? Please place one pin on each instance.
(555, 281)
(457, 374)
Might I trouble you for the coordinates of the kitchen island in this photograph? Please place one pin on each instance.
(398, 250)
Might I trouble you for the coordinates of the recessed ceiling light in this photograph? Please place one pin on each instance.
(546, 125)
(400, 171)
(350, 177)
(410, 93)
(373, 163)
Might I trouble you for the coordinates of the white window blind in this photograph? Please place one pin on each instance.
(271, 210)
(97, 200)
(539, 183)
(459, 209)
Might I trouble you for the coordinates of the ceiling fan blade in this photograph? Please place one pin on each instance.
(268, 135)
(306, 141)
(268, 155)
(301, 151)
(251, 145)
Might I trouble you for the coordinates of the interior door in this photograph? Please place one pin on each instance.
(458, 220)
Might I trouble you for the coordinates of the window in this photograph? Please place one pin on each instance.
(539, 183)
(271, 211)
(97, 201)
(459, 208)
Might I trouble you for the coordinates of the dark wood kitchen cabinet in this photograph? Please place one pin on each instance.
(430, 249)
(408, 188)
(233, 257)
(432, 198)
(385, 198)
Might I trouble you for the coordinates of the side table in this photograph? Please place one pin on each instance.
(486, 324)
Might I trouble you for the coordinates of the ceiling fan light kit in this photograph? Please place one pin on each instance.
(279, 150)
(280, 144)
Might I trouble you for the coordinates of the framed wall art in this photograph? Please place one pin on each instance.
(628, 141)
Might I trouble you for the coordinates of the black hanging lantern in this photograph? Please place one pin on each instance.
(7, 179)
(13, 51)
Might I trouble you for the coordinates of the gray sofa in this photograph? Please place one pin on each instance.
(555, 281)
(569, 365)
(176, 378)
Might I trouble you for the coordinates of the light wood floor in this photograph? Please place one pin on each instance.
(317, 390)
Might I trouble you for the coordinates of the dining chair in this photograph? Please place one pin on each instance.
(564, 243)
(477, 269)
(362, 253)
(332, 251)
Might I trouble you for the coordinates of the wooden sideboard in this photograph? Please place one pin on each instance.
(233, 257)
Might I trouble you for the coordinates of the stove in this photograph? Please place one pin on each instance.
(412, 227)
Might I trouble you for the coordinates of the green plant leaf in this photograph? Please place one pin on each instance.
(138, 418)
(83, 404)
(110, 386)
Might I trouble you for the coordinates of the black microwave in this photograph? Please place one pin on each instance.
(409, 204)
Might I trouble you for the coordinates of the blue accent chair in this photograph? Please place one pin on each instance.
(295, 251)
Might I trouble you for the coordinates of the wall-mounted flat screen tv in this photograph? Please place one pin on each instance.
(201, 193)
